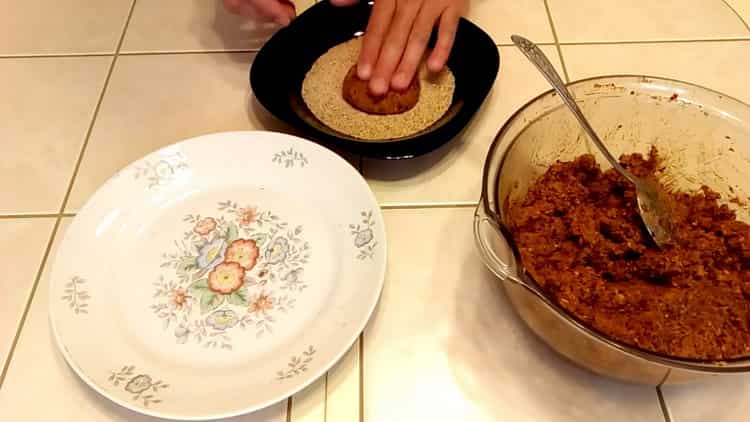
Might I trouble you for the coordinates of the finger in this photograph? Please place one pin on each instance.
(446, 37)
(343, 3)
(233, 6)
(418, 39)
(245, 8)
(280, 12)
(377, 26)
(291, 4)
(393, 46)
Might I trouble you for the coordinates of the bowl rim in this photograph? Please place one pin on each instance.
(446, 130)
(737, 365)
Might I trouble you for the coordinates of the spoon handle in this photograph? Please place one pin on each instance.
(537, 57)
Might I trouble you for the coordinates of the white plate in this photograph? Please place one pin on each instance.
(218, 276)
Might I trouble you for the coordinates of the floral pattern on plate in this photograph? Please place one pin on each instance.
(239, 269)
(297, 364)
(364, 237)
(158, 173)
(290, 158)
(76, 296)
(142, 386)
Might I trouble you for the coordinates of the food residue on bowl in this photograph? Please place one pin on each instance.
(580, 238)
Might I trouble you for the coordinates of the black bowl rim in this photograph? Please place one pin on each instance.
(408, 148)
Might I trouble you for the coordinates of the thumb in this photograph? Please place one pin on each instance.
(343, 3)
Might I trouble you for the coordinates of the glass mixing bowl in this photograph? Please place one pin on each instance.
(704, 138)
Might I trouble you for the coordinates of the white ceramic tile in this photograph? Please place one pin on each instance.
(343, 388)
(21, 251)
(155, 100)
(639, 20)
(309, 405)
(38, 374)
(31, 27)
(501, 19)
(718, 65)
(446, 345)
(194, 25)
(723, 399)
(46, 106)
(452, 174)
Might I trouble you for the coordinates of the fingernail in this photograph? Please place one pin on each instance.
(434, 66)
(400, 82)
(283, 20)
(364, 71)
(379, 86)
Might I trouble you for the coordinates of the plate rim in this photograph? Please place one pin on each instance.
(293, 388)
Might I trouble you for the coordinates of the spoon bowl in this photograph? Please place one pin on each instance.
(653, 200)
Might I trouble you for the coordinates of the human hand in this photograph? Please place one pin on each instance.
(396, 38)
(279, 11)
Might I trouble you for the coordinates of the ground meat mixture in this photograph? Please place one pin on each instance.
(580, 237)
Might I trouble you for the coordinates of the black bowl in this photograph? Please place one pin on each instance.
(280, 67)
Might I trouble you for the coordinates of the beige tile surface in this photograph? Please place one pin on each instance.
(717, 65)
(501, 19)
(309, 405)
(445, 344)
(63, 26)
(742, 7)
(154, 101)
(716, 400)
(46, 108)
(38, 370)
(21, 252)
(637, 20)
(453, 172)
(343, 388)
(194, 25)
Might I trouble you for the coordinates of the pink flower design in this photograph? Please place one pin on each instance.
(205, 226)
(243, 252)
(178, 297)
(226, 278)
(247, 215)
(261, 303)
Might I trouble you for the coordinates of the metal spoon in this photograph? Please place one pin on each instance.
(653, 202)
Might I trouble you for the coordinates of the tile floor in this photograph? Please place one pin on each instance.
(90, 85)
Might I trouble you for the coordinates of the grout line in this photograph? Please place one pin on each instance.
(289, 409)
(53, 55)
(418, 205)
(179, 52)
(90, 129)
(164, 52)
(362, 377)
(45, 257)
(47, 215)
(663, 405)
(255, 50)
(557, 40)
(683, 41)
(726, 3)
(325, 400)
(664, 379)
(21, 216)
(27, 307)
